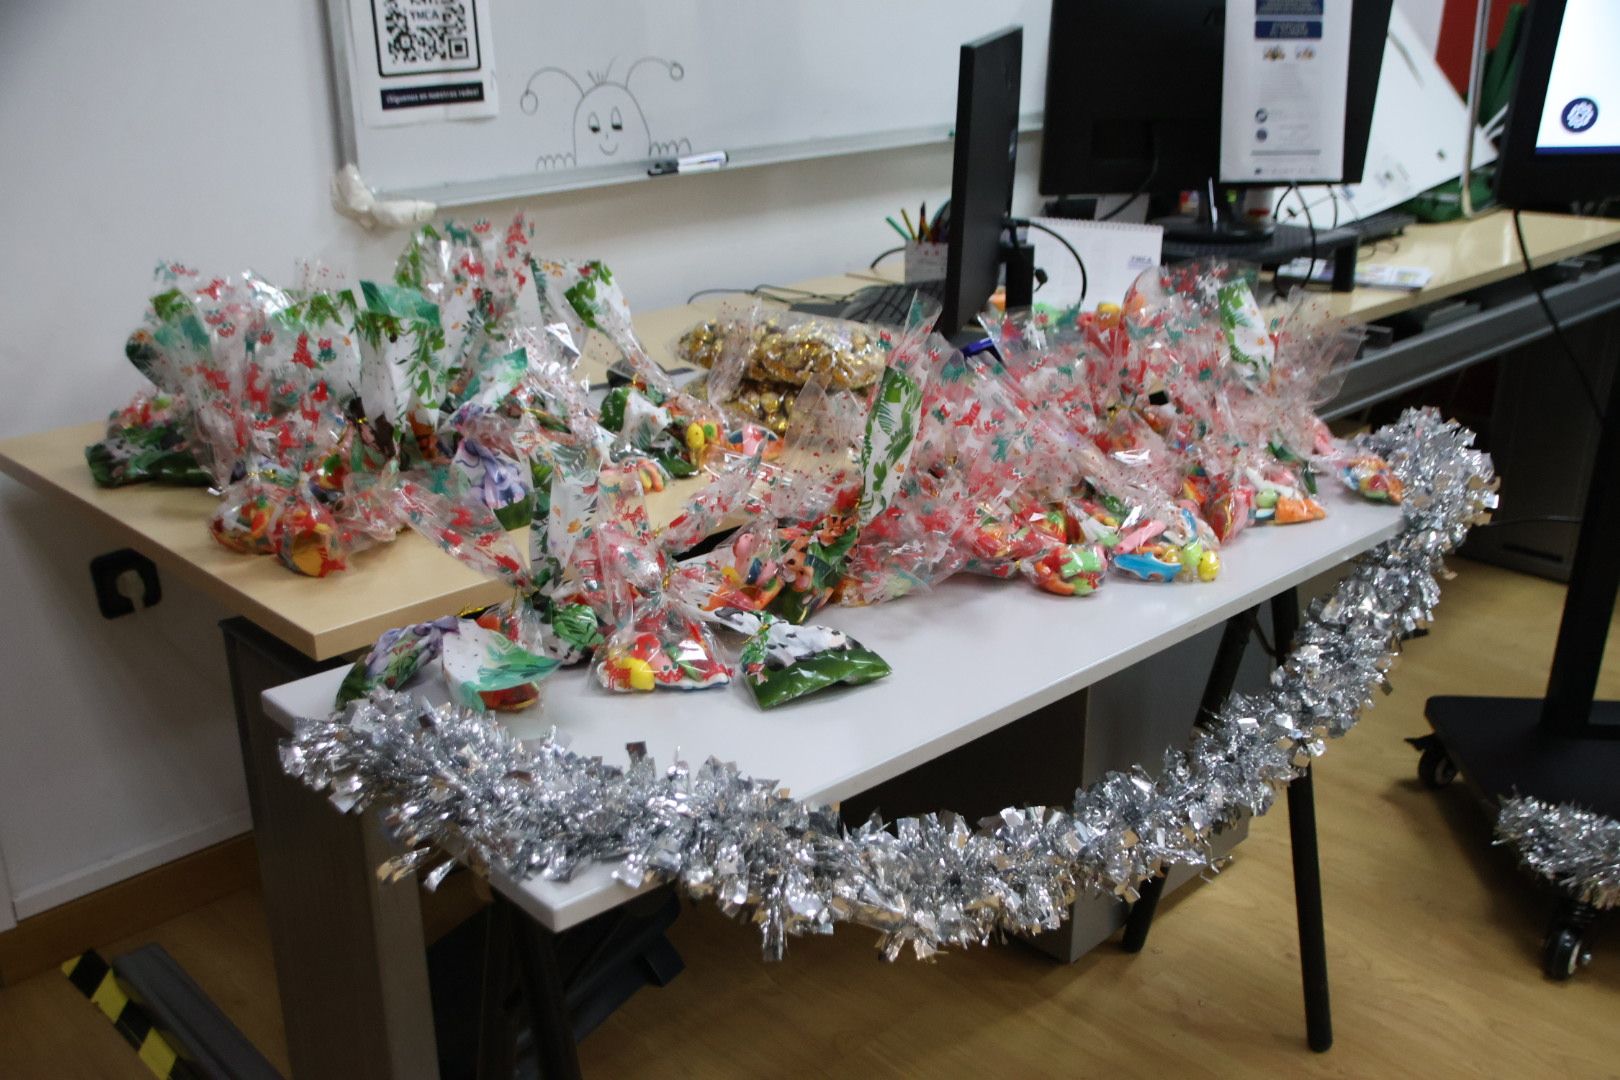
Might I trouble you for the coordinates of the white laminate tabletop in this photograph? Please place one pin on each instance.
(969, 657)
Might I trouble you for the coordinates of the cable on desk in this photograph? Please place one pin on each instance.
(1085, 281)
(884, 255)
(1147, 181)
(1299, 197)
(1129, 199)
(1552, 321)
(766, 291)
(1309, 224)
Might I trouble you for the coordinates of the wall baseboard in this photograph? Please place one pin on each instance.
(127, 907)
(37, 899)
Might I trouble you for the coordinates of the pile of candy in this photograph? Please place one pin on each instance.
(1136, 440)
(760, 359)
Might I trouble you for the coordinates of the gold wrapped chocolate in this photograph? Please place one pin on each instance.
(792, 350)
(766, 404)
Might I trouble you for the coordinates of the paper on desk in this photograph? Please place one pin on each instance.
(1115, 253)
(1368, 275)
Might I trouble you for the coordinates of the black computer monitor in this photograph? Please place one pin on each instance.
(986, 158)
(1133, 94)
(1562, 142)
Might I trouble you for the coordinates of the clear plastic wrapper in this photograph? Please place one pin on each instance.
(1068, 569)
(486, 669)
(661, 648)
(398, 657)
(437, 504)
(147, 440)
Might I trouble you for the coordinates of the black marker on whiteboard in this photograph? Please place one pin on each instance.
(692, 163)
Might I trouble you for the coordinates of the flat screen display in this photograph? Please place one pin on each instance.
(1581, 112)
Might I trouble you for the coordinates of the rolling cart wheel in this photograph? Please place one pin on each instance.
(1435, 767)
(1565, 953)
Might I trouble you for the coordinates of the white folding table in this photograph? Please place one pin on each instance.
(968, 657)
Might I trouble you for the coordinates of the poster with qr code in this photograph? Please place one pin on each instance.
(422, 61)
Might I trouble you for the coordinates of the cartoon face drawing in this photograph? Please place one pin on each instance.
(606, 121)
(608, 124)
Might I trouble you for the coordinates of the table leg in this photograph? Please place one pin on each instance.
(1223, 675)
(546, 997)
(351, 963)
(1307, 869)
(1308, 909)
(495, 1035)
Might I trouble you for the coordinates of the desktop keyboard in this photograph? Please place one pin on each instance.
(1378, 226)
(883, 305)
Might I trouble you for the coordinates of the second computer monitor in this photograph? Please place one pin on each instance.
(986, 157)
(1133, 94)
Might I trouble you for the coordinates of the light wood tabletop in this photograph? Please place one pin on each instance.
(1466, 255)
(1463, 255)
(390, 585)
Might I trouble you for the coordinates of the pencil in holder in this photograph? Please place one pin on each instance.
(925, 262)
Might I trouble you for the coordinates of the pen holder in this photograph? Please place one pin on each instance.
(925, 262)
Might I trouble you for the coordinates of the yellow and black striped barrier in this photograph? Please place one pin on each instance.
(95, 979)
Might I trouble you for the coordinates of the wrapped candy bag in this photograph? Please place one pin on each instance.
(437, 503)
(656, 641)
(759, 357)
(398, 657)
(245, 518)
(1369, 476)
(1150, 550)
(147, 440)
(781, 662)
(1002, 542)
(660, 647)
(913, 544)
(486, 669)
(1068, 569)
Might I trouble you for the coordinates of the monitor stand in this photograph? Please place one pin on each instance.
(1211, 226)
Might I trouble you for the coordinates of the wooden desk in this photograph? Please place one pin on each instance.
(1467, 255)
(1463, 255)
(390, 585)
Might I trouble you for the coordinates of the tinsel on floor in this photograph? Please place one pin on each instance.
(1574, 849)
(447, 779)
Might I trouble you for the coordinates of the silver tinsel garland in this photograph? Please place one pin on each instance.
(1575, 849)
(451, 780)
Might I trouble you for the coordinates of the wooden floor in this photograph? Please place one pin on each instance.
(1432, 945)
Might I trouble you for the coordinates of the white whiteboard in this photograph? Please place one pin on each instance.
(763, 80)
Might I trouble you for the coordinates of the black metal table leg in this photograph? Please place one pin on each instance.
(1308, 908)
(1223, 675)
(496, 1042)
(1140, 920)
(546, 997)
(1307, 870)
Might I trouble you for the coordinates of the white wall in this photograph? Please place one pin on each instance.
(134, 133)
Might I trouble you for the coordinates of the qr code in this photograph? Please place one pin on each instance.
(420, 37)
